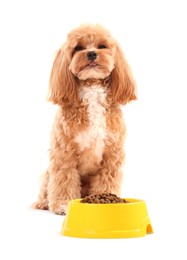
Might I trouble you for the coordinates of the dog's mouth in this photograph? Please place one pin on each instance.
(92, 69)
(91, 64)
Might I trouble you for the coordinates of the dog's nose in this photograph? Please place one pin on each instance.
(92, 55)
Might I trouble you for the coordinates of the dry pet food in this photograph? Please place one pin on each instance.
(103, 198)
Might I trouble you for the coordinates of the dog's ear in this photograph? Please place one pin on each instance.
(123, 84)
(63, 86)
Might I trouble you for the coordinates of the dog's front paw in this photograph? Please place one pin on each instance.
(59, 208)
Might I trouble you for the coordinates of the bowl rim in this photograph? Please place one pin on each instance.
(130, 201)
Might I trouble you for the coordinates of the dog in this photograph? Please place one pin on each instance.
(90, 80)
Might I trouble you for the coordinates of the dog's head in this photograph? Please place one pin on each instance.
(90, 52)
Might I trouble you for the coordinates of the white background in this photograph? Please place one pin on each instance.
(153, 37)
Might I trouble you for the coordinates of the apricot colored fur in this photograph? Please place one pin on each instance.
(86, 152)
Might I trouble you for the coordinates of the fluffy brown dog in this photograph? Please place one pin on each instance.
(89, 81)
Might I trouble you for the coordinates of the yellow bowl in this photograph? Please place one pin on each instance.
(120, 220)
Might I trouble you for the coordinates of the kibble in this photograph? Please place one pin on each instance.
(103, 198)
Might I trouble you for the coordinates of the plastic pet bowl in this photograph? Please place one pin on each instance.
(120, 220)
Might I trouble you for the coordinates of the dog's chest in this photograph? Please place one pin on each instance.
(93, 137)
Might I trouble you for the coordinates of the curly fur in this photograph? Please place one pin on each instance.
(86, 150)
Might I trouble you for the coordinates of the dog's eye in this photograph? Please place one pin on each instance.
(101, 46)
(78, 48)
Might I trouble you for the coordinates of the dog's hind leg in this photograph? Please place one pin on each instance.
(42, 202)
